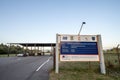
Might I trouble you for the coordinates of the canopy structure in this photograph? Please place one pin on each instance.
(35, 47)
(35, 44)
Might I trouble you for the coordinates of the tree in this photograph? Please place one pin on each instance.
(12, 49)
(3, 49)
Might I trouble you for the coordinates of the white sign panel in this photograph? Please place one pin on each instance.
(89, 38)
(79, 58)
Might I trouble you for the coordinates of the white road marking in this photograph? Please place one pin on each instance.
(43, 64)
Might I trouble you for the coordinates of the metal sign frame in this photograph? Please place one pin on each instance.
(75, 38)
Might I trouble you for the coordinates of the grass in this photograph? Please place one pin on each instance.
(86, 70)
(6, 55)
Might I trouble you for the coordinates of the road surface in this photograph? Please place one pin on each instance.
(25, 68)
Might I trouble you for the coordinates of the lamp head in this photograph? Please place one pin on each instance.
(84, 23)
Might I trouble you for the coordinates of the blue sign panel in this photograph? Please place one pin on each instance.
(85, 48)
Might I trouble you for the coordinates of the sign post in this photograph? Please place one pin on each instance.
(102, 64)
(57, 54)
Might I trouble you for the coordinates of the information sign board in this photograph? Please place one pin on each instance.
(80, 48)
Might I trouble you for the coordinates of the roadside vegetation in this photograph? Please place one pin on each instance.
(13, 50)
(89, 70)
(5, 50)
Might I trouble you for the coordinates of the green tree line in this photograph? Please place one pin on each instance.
(5, 49)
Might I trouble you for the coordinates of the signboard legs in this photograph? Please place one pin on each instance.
(102, 64)
(57, 54)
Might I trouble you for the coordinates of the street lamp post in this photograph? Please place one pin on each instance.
(81, 27)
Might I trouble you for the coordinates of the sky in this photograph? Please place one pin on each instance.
(38, 21)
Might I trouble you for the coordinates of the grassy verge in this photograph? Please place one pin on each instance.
(79, 71)
(86, 70)
(6, 55)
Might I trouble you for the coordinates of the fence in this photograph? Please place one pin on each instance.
(112, 63)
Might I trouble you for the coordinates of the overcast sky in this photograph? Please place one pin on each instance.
(39, 20)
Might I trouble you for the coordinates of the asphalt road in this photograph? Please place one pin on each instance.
(25, 68)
